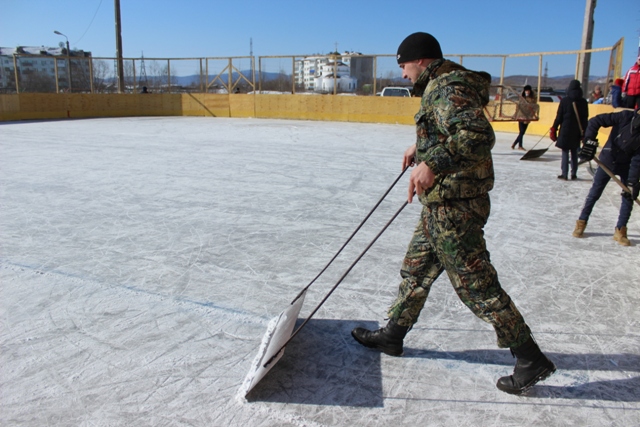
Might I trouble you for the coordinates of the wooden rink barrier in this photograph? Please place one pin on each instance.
(359, 109)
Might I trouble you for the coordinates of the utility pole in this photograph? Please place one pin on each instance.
(253, 66)
(587, 42)
(119, 48)
(68, 59)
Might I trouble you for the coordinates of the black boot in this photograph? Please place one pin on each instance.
(388, 339)
(531, 366)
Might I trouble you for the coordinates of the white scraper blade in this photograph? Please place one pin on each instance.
(278, 332)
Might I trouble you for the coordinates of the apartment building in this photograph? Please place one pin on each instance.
(352, 69)
(38, 68)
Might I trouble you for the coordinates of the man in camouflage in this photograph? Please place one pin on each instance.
(452, 177)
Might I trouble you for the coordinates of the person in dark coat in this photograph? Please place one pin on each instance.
(621, 155)
(571, 130)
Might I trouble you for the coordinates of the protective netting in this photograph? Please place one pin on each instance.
(507, 105)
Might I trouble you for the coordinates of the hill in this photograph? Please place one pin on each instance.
(558, 83)
(195, 78)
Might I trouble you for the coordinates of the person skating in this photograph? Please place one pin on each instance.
(452, 177)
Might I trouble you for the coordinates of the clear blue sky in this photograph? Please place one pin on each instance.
(207, 28)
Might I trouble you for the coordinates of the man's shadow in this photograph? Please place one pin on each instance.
(323, 365)
(619, 390)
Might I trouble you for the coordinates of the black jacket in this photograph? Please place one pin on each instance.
(570, 136)
(623, 143)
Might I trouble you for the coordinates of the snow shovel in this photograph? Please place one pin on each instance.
(534, 154)
(279, 331)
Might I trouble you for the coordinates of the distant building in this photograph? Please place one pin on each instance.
(361, 68)
(299, 73)
(311, 66)
(37, 68)
(335, 74)
(317, 72)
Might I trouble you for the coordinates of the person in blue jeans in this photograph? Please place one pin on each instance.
(621, 155)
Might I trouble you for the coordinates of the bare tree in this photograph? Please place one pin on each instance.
(11, 85)
(38, 82)
(389, 79)
(157, 75)
(282, 83)
(194, 85)
(129, 76)
(80, 75)
(102, 75)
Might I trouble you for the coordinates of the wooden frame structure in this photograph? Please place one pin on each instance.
(614, 69)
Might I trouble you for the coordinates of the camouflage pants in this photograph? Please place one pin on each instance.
(450, 237)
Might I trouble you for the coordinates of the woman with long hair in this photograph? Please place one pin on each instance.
(527, 94)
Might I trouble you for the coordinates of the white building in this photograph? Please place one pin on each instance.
(334, 74)
(39, 63)
(311, 66)
(299, 73)
(312, 74)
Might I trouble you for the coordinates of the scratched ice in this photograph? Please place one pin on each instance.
(142, 259)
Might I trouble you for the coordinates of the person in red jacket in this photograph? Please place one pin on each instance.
(631, 86)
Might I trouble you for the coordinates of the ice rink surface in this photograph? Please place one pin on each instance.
(142, 259)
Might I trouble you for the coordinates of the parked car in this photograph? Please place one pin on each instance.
(395, 91)
(548, 97)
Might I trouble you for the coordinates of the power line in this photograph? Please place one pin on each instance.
(94, 17)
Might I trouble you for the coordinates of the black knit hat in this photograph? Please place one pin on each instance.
(419, 46)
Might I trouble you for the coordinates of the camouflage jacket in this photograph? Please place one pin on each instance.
(454, 137)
